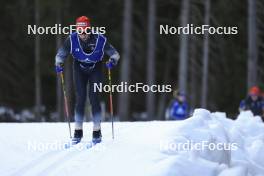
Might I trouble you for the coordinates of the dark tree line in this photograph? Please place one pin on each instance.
(214, 70)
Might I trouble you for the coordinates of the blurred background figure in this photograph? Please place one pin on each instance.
(178, 108)
(253, 102)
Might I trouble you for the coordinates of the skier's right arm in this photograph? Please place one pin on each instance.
(171, 109)
(62, 54)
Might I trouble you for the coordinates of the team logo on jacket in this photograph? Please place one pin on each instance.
(180, 110)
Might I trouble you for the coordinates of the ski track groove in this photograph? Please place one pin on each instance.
(63, 156)
(32, 164)
(55, 165)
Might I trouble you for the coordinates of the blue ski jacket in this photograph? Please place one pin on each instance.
(87, 52)
(256, 107)
(178, 110)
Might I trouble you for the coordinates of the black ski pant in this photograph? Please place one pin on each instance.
(85, 75)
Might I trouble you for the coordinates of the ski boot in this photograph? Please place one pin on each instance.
(78, 134)
(97, 137)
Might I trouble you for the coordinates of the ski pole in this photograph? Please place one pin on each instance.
(111, 101)
(65, 102)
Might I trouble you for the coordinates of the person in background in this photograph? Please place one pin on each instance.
(179, 108)
(253, 102)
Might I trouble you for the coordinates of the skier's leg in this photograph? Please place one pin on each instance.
(80, 80)
(95, 78)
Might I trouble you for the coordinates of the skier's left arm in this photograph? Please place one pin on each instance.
(242, 106)
(113, 55)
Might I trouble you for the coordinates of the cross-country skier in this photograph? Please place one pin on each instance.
(254, 102)
(88, 50)
(178, 109)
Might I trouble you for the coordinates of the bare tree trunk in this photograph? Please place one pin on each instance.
(182, 81)
(205, 58)
(163, 96)
(37, 67)
(194, 68)
(252, 44)
(151, 58)
(68, 70)
(123, 99)
(193, 73)
(59, 87)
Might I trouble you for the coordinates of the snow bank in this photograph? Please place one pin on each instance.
(242, 154)
(207, 144)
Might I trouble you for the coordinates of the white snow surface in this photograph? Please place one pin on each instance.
(139, 148)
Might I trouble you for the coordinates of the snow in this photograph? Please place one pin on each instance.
(157, 148)
(8, 114)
